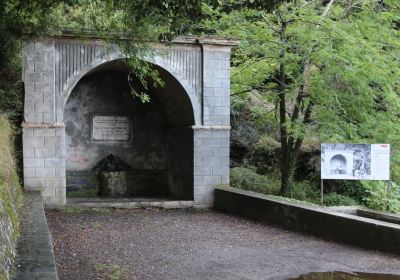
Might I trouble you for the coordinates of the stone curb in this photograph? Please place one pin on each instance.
(35, 256)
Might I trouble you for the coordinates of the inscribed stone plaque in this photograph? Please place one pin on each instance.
(110, 128)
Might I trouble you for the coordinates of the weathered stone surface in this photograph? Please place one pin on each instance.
(113, 184)
(367, 233)
(197, 77)
(35, 257)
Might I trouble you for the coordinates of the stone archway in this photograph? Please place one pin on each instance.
(153, 143)
(51, 69)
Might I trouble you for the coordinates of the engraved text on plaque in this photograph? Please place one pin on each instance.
(110, 128)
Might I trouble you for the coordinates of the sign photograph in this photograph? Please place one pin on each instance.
(355, 161)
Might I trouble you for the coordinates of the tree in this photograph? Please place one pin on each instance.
(328, 68)
(143, 20)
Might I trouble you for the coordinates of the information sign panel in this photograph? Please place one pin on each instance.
(355, 161)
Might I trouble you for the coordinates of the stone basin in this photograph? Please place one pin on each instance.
(113, 184)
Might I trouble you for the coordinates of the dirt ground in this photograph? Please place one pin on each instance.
(194, 244)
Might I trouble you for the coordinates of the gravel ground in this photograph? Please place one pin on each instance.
(193, 244)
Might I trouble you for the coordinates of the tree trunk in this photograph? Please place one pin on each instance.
(290, 148)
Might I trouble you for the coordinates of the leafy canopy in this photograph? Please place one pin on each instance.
(354, 77)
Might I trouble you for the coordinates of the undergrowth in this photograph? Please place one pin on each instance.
(371, 194)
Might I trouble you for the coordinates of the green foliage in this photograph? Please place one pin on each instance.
(111, 271)
(378, 197)
(352, 85)
(267, 143)
(304, 191)
(16, 18)
(334, 199)
(247, 179)
(356, 190)
(264, 155)
(144, 21)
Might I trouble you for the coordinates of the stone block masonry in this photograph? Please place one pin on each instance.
(38, 77)
(10, 200)
(216, 83)
(52, 68)
(44, 162)
(211, 162)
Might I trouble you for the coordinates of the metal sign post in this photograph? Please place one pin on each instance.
(388, 195)
(322, 192)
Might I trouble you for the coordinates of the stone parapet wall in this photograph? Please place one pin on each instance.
(35, 255)
(351, 229)
(10, 200)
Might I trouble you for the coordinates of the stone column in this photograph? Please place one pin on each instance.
(211, 140)
(211, 162)
(43, 139)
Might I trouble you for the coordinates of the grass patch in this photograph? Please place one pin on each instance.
(111, 271)
(102, 210)
(77, 210)
(79, 226)
(97, 225)
(72, 210)
(84, 191)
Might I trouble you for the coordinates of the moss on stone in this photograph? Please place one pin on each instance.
(10, 198)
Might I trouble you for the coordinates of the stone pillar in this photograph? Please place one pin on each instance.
(43, 139)
(211, 140)
(216, 85)
(211, 162)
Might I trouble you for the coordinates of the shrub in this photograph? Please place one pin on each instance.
(265, 155)
(378, 197)
(334, 199)
(355, 190)
(247, 179)
(304, 191)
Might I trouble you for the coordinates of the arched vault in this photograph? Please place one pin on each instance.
(199, 67)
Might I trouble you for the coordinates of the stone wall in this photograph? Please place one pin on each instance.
(10, 199)
(320, 221)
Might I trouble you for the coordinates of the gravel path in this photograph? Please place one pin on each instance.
(193, 244)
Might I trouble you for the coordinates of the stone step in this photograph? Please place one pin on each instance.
(128, 203)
